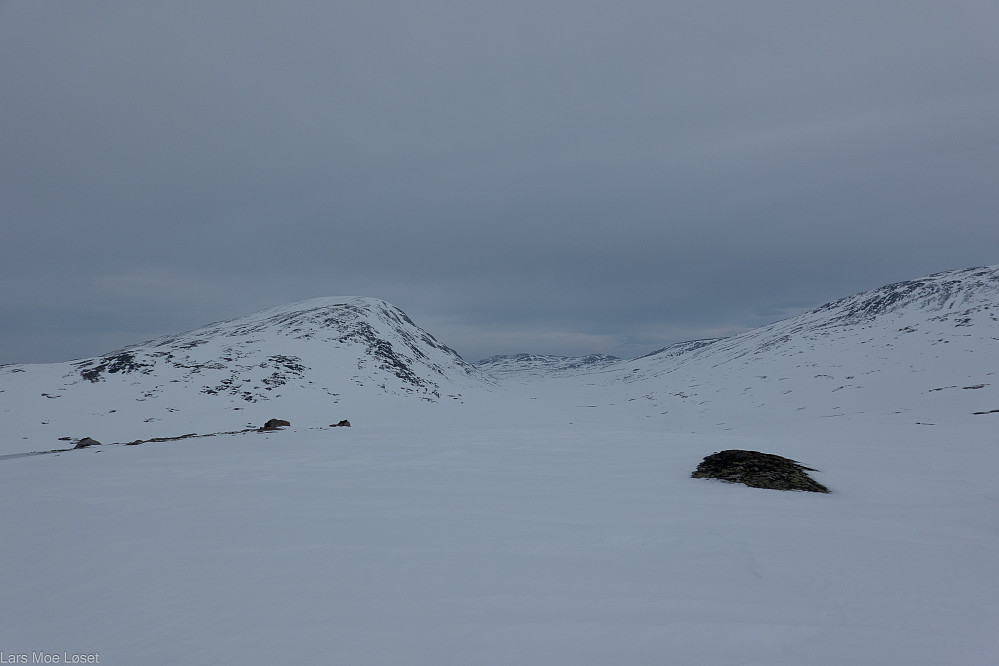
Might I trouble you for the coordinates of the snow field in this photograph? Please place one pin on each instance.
(456, 544)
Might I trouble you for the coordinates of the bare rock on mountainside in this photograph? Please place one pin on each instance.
(85, 442)
(274, 424)
(758, 470)
(341, 424)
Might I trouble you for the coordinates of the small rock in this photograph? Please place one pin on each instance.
(274, 424)
(85, 442)
(342, 424)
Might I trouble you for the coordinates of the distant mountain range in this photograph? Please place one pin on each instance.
(892, 348)
(542, 365)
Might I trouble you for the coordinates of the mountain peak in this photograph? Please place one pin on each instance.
(252, 356)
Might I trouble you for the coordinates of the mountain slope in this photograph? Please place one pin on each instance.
(921, 348)
(326, 355)
(239, 357)
(919, 351)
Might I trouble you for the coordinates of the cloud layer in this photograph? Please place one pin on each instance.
(547, 177)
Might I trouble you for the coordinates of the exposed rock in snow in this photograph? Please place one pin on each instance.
(758, 470)
(275, 424)
(86, 442)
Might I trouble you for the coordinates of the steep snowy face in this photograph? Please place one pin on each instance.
(253, 357)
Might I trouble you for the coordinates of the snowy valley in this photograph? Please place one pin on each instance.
(522, 509)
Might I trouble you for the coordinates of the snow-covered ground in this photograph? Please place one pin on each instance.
(531, 519)
(575, 544)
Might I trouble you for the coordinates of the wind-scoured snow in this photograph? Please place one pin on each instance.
(529, 509)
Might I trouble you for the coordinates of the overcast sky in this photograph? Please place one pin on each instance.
(556, 177)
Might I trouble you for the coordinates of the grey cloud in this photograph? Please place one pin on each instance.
(524, 174)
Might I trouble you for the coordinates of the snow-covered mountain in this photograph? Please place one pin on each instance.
(924, 349)
(921, 350)
(326, 355)
(253, 357)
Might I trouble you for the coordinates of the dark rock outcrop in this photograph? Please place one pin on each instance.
(758, 470)
(85, 442)
(342, 424)
(274, 424)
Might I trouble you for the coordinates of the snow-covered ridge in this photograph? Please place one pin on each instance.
(955, 294)
(946, 304)
(251, 356)
(928, 323)
(330, 358)
(943, 301)
(923, 348)
(542, 365)
(680, 348)
(886, 350)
